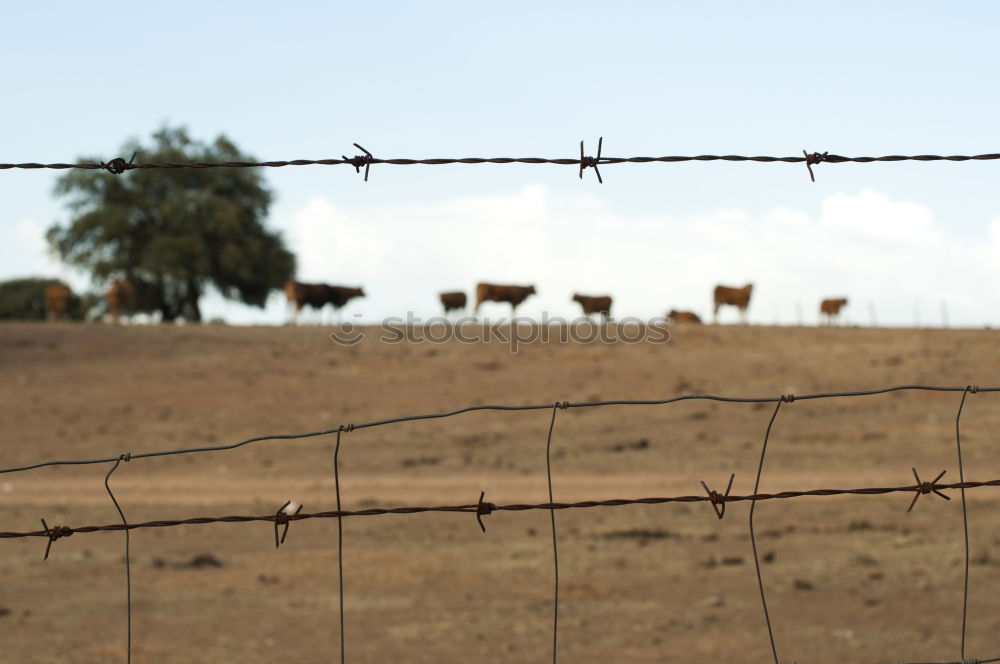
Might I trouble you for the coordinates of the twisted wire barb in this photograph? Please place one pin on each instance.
(470, 409)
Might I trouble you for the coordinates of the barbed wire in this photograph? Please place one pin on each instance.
(288, 513)
(118, 165)
(483, 508)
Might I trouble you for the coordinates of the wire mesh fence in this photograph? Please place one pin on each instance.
(481, 509)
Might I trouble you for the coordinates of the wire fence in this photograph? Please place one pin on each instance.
(119, 165)
(287, 513)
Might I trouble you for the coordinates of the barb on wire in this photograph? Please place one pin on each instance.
(814, 158)
(592, 162)
(496, 407)
(358, 161)
(927, 487)
(484, 509)
(117, 166)
(281, 517)
(128, 563)
(55, 533)
(719, 500)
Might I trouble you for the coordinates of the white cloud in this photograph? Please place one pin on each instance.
(865, 246)
(24, 253)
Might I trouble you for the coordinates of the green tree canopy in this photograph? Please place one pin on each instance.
(175, 232)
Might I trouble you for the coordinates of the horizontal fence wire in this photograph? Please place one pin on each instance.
(287, 513)
(495, 407)
(486, 508)
(119, 165)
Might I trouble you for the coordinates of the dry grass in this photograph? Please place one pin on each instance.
(848, 578)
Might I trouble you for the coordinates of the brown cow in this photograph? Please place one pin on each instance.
(595, 304)
(57, 297)
(120, 296)
(496, 293)
(453, 301)
(738, 297)
(829, 309)
(318, 296)
(683, 317)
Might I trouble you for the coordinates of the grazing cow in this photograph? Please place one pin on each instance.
(318, 296)
(57, 297)
(595, 304)
(120, 296)
(683, 317)
(829, 309)
(495, 293)
(453, 301)
(738, 297)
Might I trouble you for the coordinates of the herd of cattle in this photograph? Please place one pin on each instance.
(120, 296)
(318, 296)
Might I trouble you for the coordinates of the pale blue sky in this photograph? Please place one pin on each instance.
(532, 79)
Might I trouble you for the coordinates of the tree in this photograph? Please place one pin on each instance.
(175, 232)
(24, 299)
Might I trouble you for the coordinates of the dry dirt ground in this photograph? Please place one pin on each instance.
(848, 579)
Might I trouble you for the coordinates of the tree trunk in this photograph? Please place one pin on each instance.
(192, 312)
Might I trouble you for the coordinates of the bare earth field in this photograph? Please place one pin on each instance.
(848, 579)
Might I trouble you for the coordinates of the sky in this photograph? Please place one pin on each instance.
(907, 243)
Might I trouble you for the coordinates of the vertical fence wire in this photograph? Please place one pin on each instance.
(128, 564)
(753, 538)
(340, 541)
(555, 544)
(965, 515)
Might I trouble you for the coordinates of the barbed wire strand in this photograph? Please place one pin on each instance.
(965, 514)
(473, 508)
(128, 564)
(118, 165)
(492, 407)
(753, 537)
(340, 540)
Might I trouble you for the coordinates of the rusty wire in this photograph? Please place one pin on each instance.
(118, 165)
(476, 508)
